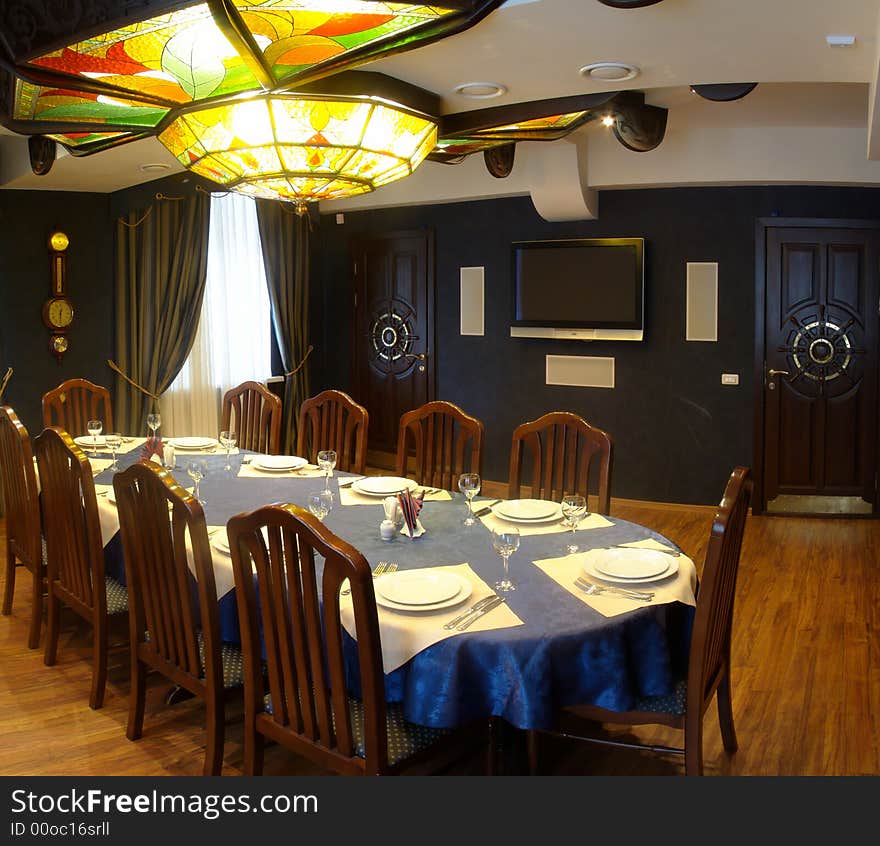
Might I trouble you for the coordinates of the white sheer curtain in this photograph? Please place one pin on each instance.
(232, 343)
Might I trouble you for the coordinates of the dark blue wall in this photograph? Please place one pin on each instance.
(678, 432)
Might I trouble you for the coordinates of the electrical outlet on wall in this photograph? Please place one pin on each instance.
(730, 378)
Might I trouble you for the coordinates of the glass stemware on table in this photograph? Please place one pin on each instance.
(469, 485)
(228, 439)
(197, 469)
(94, 428)
(113, 441)
(327, 461)
(154, 421)
(574, 509)
(505, 542)
(321, 503)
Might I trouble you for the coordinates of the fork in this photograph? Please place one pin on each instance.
(590, 589)
(382, 568)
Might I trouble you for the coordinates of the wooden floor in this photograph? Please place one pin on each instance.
(806, 674)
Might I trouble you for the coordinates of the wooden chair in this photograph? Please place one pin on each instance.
(24, 542)
(333, 420)
(708, 671)
(446, 442)
(75, 554)
(561, 447)
(302, 699)
(174, 628)
(257, 417)
(73, 403)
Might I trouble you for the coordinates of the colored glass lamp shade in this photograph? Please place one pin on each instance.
(301, 148)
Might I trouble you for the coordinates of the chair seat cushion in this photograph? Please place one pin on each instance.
(671, 703)
(117, 596)
(405, 739)
(230, 659)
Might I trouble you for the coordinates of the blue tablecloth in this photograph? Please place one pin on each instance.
(565, 653)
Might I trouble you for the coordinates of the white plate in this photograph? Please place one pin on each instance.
(89, 441)
(220, 542)
(382, 485)
(632, 563)
(193, 443)
(527, 509)
(464, 592)
(278, 463)
(418, 587)
(595, 555)
(553, 514)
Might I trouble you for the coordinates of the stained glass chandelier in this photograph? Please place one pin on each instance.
(262, 96)
(232, 88)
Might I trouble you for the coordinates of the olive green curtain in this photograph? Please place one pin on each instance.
(161, 267)
(285, 240)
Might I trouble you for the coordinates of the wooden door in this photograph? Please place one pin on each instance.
(820, 362)
(394, 328)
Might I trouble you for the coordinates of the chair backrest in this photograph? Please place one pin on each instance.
(713, 620)
(20, 492)
(561, 448)
(73, 403)
(273, 557)
(446, 442)
(74, 552)
(253, 412)
(333, 420)
(162, 526)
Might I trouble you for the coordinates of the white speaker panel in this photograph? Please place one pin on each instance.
(580, 371)
(701, 321)
(472, 300)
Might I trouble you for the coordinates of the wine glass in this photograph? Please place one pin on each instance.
(469, 485)
(227, 438)
(327, 461)
(321, 503)
(574, 508)
(505, 543)
(114, 441)
(94, 428)
(197, 469)
(154, 421)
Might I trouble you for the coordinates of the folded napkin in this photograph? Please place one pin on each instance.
(594, 521)
(410, 506)
(406, 633)
(221, 561)
(308, 471)
(99, 465)
(107, 514)
(130, 444)
(678, 588)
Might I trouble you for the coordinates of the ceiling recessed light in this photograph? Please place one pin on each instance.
(154, 167)
(610, 71)
(840, 40)
(480, 90)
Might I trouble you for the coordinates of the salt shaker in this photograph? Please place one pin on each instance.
(168, 457)
(387, 528)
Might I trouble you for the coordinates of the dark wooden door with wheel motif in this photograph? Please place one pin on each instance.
(394, 325)
(819, 387)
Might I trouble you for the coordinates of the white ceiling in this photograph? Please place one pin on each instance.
(535, 48)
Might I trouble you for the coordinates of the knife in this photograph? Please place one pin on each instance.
(344, 483)
(494, 603)
(472, 610)
(486, 509)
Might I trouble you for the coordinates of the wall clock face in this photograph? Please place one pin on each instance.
(58, 241)
(59, 313)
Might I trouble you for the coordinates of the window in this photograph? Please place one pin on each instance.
(232, 344)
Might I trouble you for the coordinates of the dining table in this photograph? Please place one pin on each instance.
(551, 644)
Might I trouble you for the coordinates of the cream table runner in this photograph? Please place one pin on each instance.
(405, 634)
(594, 521)
(678, 588)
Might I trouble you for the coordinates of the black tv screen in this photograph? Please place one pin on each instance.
(579, 283)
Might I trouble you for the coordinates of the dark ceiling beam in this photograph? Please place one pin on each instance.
(229, 22)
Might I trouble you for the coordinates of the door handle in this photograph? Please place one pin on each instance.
(419, 356)
(773, 372)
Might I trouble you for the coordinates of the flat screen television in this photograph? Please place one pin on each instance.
(579, 288)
